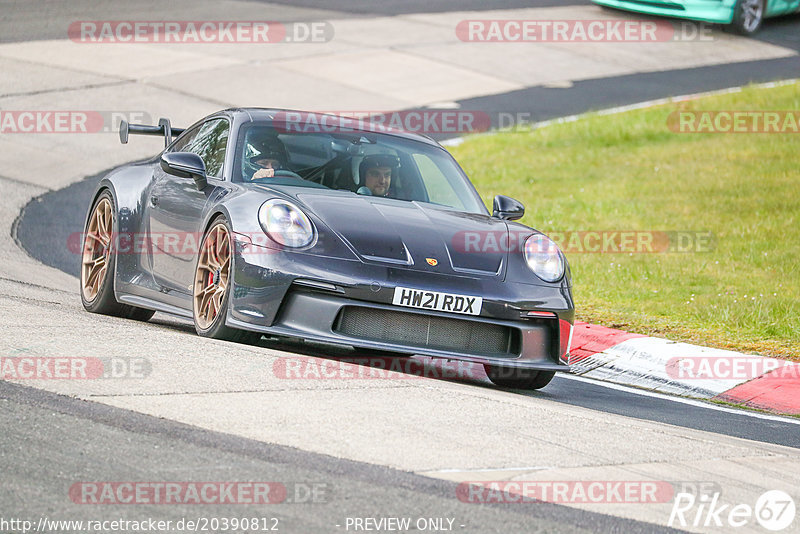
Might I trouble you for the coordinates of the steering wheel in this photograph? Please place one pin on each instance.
(250, 170)
(287, 174)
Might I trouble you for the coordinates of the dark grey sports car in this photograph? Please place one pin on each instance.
(322, 228)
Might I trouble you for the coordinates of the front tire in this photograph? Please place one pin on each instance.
(748, 17)
(98, 264)
(212, 281)
(516, 378)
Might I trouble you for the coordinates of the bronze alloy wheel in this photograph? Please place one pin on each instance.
(97, 249)
(98, 264)
(211, 276)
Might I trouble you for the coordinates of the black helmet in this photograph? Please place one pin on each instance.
(375, 161)
(270, 148)
(278, 156)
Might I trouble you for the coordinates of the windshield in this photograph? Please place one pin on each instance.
(364, 163)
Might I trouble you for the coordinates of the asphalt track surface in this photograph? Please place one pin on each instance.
(29, 25)
(46, 436)
(145, 448)
(402, 7)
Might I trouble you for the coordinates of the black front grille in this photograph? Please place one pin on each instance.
(429, 331)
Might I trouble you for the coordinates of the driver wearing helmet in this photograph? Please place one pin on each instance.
(375, 174)
(272, 157)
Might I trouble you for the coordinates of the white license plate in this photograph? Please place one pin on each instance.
(433, 300)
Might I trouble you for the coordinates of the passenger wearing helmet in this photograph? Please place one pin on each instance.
(375, 174)
(272, 157)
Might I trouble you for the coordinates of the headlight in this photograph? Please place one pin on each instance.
(544, 258)
(285, 223)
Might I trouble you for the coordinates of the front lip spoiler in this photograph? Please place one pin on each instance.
(712, 12)
(339, 339)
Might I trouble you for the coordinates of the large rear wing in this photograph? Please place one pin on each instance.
(164, 128)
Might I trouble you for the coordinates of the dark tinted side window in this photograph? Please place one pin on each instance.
(209, 142)
(187, 138)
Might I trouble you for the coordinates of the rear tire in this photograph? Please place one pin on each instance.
(211, 289)
(99, 261)
(748, 17)
(515, 378)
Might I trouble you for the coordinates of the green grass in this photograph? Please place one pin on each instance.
(631, 172)
(748, 408)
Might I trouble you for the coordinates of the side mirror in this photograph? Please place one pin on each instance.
(507, 208)
(185, 165)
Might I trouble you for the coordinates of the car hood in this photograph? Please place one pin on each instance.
(413, 235)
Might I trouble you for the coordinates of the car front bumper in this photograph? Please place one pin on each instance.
(715, 11)
(349, 302)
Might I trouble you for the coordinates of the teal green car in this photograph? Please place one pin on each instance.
(741, 16)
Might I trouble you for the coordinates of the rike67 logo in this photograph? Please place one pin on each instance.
(774, 510)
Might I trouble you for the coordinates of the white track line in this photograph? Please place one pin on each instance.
(490, 469)
(682, 400)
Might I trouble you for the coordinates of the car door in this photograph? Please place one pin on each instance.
(777, 7)
(176, 207)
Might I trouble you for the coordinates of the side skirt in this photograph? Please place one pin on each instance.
(150, 304)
